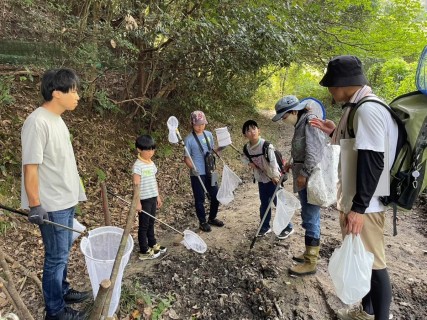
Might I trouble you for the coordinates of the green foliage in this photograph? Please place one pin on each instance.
(5, 88)
(297, 79)
(102, 176)
(164, 151)
(135, 297)
(392, 78)
(4, 226)
(103, 103)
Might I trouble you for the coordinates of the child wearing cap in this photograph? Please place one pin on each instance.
(307, 148)
(144, 173)
(199, 143)
(266, 172)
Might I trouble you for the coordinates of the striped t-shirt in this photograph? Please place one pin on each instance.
(147, 171)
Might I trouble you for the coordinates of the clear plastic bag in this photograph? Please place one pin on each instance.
(322, 184)
(229, 183)
(350, 268)
(286, 205)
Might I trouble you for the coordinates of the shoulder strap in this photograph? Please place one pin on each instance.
(198, 142)
(402, 135)
(265, 147)
(250, 156)
(246, 152)
(393, 114)
(207, 141)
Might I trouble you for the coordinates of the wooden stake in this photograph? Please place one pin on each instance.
(24, 270)
(99, 303)
(107, 216)
(122, 247)
(21, 308)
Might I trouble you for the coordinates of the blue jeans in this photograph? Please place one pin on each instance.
(199, 198)
(310, 215)
(57, 244)
(266, 192)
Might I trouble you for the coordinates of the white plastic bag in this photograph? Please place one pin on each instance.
(229, 183)
(79, 227)
(322, 184)
(350, 268)
(286, 205)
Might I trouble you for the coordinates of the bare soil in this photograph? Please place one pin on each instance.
(229, 281)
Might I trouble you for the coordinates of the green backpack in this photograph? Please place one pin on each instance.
(408, 173)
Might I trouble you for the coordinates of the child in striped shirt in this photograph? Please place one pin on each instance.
(144, 173)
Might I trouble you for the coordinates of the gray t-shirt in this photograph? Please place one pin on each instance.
(46, 141)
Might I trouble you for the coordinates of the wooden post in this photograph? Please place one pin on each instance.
(98, 305)
(122, 247)
(107, 217)
(21, 308)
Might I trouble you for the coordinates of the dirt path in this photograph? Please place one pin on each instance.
(230, 281)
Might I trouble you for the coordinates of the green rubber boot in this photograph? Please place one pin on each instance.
(310, 262)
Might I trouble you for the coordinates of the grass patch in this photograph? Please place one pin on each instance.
(141, 304)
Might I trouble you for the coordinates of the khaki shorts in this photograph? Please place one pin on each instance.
(372, 236)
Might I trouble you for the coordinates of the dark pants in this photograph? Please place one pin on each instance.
(199, 198)
(146, 236)
(378, 299)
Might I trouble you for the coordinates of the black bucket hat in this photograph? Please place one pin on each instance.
(344, 71)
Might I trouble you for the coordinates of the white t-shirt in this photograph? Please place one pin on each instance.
(270, 168)
(46, 141)
(374, 127)
(147, 171)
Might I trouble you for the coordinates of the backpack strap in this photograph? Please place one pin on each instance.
(265, 147)
(402, 135)
(250, 156)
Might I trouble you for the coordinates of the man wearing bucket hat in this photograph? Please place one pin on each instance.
(374, 141)
(51, 187)
(306, 151)
(200, 143)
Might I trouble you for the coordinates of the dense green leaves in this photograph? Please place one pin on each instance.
(213, 55)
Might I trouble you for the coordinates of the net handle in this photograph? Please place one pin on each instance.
(125, 201)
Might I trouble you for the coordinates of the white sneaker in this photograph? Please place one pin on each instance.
(149, 255)
(355, 313)
(263, 233)
(158, 247)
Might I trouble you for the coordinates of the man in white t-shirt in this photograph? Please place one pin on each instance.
(51, 187)
(374, 145)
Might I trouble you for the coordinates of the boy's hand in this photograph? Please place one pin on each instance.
(301, 182)
(194, 172)
(275, 180)
(159, 202)
(139, 206)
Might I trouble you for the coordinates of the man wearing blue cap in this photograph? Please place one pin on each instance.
(307, 150)
(373, 141)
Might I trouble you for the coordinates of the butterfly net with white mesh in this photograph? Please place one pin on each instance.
(194, 242)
